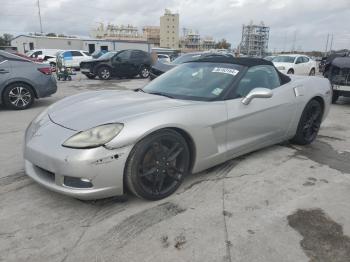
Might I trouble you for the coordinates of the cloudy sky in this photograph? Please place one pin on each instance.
(308, 21)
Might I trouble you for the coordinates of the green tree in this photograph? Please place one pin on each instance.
(51, 34)
(223, 44)
(5, 39)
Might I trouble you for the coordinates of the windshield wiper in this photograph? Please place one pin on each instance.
(161, 94)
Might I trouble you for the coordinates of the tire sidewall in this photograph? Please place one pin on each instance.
(299, 137)
(131, 174)
(99, 72)
(141, 69)
(6, 99)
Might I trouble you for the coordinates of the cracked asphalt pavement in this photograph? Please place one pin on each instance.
(282, 203)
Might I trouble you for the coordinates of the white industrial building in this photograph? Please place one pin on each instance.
(24, 43)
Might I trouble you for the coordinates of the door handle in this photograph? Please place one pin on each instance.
(3, 71)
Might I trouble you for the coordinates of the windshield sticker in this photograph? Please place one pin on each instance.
(224, 70)
(216, 91)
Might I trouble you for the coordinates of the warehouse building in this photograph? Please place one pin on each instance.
(24, 43)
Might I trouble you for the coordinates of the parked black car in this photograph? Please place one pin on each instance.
(339, 76)
(159, 68)
(125, 63)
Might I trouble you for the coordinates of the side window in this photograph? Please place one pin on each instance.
(124, 56)
(299, 60)
(76, 53)
(258, 76)
(136, 55)
(305, 59)
(67, 54)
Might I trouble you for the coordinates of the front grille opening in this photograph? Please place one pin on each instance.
(46, 174)
(77, 182)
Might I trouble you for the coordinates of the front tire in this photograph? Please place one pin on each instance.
(144, 72)
(309, 123)
(290, 72)
(157, 165)
(104, 73)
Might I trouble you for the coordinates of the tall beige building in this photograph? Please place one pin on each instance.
(169, 30)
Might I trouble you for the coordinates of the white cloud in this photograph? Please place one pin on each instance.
(312, 20)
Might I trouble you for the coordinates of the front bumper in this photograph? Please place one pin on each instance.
(52, 165)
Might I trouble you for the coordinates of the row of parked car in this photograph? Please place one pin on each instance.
(24, 78)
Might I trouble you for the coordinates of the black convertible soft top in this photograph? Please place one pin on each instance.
(243, 61)
(229, 59)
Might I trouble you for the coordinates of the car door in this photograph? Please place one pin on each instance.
(121, 63)
(299, 66)
(307, 65)
(263, 121)
(5, 71)
(77, 57)
(67, 59)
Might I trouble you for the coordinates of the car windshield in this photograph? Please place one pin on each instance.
(284, 59)
(195, 81)
(186, 58)
(107, 55)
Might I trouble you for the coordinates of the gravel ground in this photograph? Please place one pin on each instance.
(282, 203)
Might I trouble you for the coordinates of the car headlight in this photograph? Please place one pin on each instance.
(281, 68)
(94, 137)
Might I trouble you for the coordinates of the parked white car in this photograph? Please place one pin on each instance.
(73, 58)
(43, 54)
(295, 64)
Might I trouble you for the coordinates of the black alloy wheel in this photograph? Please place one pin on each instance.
(18, 96)
(309, 123)
(157, 165)
(144, 72)
(104, 73)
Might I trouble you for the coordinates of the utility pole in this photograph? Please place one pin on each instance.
(331, 45)
(326, 45)
(41, 26)
(294, 41)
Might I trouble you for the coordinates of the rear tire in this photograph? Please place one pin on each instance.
(53, 66)
(18, 96)
(290, 72)
(157, 165)
(104, 73)
(312, 72)
(309, 123)
(144, 72)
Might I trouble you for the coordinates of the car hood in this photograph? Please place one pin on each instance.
(90, 109)
(286, 65)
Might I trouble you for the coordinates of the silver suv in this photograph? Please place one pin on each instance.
(21, 81)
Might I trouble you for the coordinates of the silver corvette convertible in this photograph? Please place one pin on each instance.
(197, 115)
